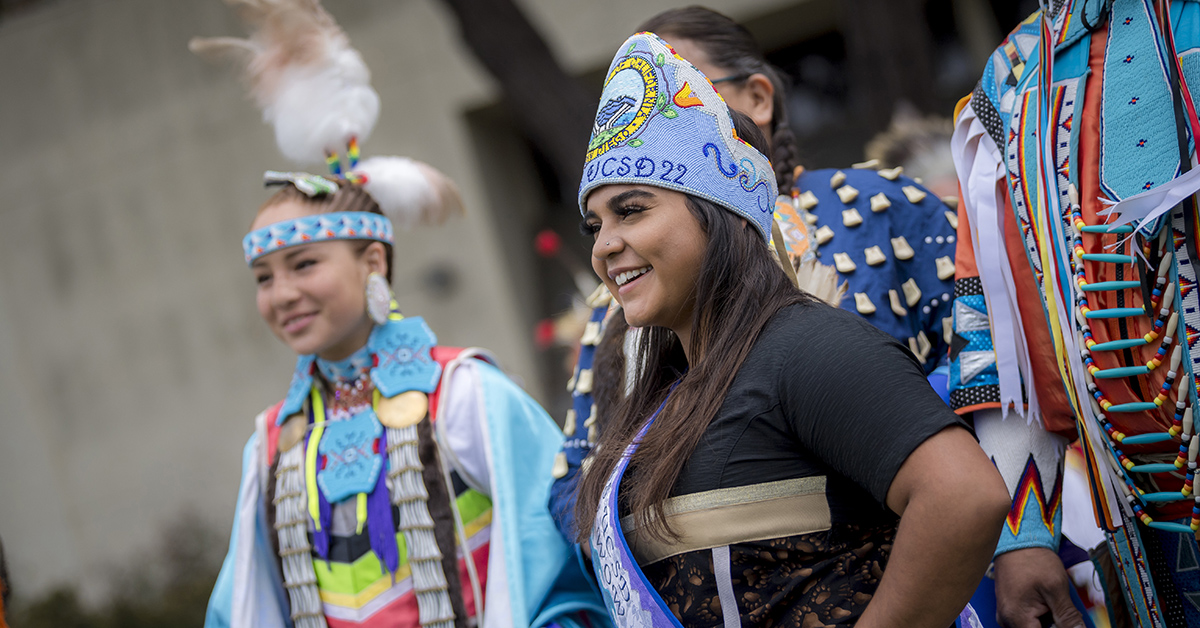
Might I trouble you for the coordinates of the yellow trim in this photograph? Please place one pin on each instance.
(360, 512)
(310, 458)
(480, 522)
(374, 590)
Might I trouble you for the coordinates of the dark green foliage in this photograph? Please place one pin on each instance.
(164, 587)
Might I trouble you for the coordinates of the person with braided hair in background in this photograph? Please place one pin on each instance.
(889, 240)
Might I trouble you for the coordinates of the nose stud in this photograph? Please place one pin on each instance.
(608, 242)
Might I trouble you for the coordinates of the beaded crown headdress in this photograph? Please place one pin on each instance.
(660, 122)
(315, 89)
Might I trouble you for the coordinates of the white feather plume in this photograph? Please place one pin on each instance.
(409, 192)
(310, 84)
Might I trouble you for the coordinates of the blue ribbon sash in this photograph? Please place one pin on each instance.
(632, 601)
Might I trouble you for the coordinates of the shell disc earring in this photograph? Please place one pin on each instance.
(379, 298)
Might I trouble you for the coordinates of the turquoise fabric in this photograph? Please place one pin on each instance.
(546, 583)
(1138, 149)
(272, 601)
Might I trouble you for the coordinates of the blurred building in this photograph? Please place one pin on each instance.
(132, 359)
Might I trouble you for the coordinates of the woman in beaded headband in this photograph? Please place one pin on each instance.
(369, 493)
(776, 456)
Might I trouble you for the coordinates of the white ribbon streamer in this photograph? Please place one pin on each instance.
(1151, 204)
(981, 174)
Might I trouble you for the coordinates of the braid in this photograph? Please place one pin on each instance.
(784, 153)
(783, 156)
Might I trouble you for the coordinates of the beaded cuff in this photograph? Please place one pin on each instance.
(1036, 518)
(1030, 459)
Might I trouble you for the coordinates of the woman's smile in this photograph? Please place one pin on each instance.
(312, 295)
(296, 324)
(626, 279)
(648, 247)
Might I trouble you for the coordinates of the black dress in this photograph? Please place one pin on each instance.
(820, 417)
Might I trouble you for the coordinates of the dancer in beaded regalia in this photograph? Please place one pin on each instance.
(1075, 311)
(399, 482)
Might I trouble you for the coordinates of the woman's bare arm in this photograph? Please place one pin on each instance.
(952, 502)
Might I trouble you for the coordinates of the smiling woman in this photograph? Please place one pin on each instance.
(307, 294)
(647, 252)
(369, 492)
(778, 461)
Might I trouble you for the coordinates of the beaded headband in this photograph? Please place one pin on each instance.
(661, 123)
(316, 228)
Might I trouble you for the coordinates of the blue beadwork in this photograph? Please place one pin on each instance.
(1114, 345)
(1134, 68)
(1102, 286)
(1135, 406)
(403, 357)
(298, 390)
(661, 123)
(317, 228)
(349, 370)
(1123, 371)
(352, 464)
(1156, 467)
(1146, 439)
(1164, 496)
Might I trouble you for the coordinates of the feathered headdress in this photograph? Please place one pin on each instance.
(315, 89)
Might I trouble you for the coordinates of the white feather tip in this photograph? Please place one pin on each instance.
(318, 109)
(310, 84)
(409, 192)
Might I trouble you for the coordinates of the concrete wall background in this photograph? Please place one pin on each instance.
(131, 356)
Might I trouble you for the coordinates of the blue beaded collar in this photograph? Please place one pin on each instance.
(401, 353)
(349, 370)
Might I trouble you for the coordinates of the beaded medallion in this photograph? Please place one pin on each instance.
(351, 456)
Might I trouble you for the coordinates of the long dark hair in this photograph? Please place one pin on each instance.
(740, 288)
(732, 47)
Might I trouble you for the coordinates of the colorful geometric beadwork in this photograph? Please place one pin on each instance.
(402, 355)
(1034, 515)
(402, 362)
(352, 461)
(661, 123)
(318, 228)
(299, 389)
